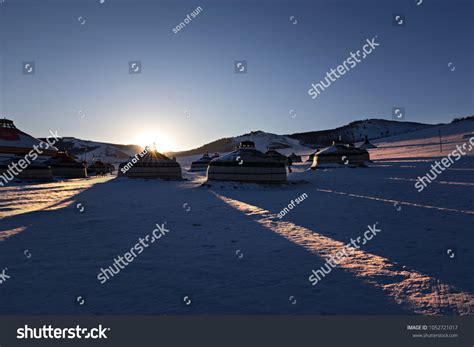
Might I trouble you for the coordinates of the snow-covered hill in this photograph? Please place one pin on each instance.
(89, 150)
(305, 143)
(356, 131)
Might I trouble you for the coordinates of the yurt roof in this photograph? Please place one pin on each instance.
(13, 139)
(204, 159)
(153, 159)
(64, 159)
(274, 153)
(247, 157)
(339, 149)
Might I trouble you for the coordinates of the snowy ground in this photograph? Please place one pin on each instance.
(229, 253)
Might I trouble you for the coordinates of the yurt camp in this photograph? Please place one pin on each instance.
(367, 144)
(64, 165)
(15, 145)
(277, 156)
(201, 164)
(216, 155)
(247, 164)
(151, 165)
(295, 158)
(340, 156)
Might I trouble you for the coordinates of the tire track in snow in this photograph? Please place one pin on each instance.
(446, 209)
(419, 292)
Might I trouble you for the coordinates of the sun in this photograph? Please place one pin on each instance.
(162, 142)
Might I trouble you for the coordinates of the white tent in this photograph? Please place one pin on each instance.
(246, 164)
(152, 165)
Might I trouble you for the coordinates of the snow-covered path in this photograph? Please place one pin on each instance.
(229, 255)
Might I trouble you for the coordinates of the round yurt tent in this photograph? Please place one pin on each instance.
(22, 156)
(295, 158)
(64, 165)
(340, 156)
(201, 164)
(277, 156)
(15, 144)
(151, 165)
(367, 144)
(32, 172)
(246, 164)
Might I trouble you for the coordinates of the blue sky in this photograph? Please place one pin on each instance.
(188, 94)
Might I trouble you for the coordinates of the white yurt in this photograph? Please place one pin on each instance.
(277, 156)
(201, 164)
(339, 155)
(15, 144)
(246, 164)
(64, 165)
(17, 151)
(152, 165)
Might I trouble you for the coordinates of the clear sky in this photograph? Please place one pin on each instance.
(188, 94)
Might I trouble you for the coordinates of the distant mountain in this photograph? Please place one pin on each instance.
(301, 143)
(308, 141)
(88, 150)
(356, 131)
